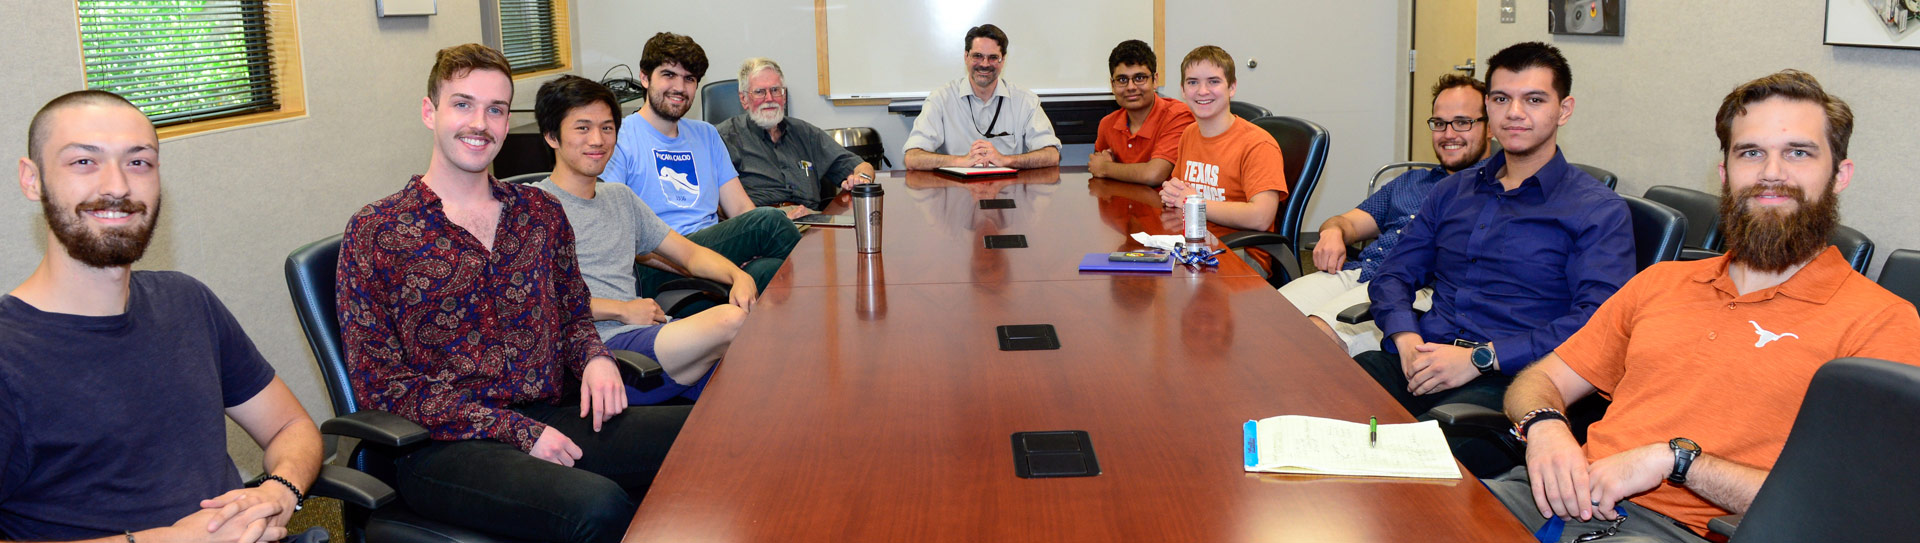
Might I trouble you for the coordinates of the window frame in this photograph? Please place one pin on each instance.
(287, 73)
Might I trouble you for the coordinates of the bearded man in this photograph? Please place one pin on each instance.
(783, 160)
(1698, 419)
(681, 169)
(115, 384)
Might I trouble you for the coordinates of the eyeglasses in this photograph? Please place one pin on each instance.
(1137, 79)
(977, 57)
(1437, 124)
(1603, 533)
(775, 92)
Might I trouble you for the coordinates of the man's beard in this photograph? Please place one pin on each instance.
(767, 118)
(665, 110)
(117, 247)
(1471, 157)
(1773, 241)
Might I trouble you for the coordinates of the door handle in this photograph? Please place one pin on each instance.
(1469, 67)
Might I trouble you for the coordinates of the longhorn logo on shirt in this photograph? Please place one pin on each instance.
(679, 179)
(1768, 337)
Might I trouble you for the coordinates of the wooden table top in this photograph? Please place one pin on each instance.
(883, 412)
(933, 231)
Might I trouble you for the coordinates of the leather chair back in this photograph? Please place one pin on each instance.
(720, 100)
(1901, 274)
(1247, 110)
(1854, 246)
(1606, 177)
(1845, 473)
(310, 278)
(1658, 231)
(1303, 145)
(1702, 211)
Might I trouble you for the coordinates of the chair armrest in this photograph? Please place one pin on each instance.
(350, 486)
(676, 294)
(1725, 525)
(636, 368)
(1250, 238)
(375, 427)
(1359, 313)
(1466, 415)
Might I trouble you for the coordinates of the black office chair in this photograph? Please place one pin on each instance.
(1703, 219)
(1606, 177)
(1303, 144)
(1381, 174)
(1247, 110)
(383, 436)
(1854, 246)
(1844, 474)
(1901, 274)
(720, 100)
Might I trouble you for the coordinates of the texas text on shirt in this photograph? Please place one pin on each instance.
(1233, 166)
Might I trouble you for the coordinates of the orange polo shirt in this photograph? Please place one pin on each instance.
(1159, 136)
(1682, 354)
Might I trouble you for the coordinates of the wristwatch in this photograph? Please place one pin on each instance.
(1684, 451)
(1483, 357)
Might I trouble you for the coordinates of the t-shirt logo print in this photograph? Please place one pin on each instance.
(679, 179)
(1768, 337)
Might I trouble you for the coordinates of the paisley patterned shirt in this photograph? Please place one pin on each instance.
(449, 335)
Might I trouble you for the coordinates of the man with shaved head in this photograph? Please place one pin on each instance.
(113, 383)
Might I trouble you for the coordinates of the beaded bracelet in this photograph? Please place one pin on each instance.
(299, 500)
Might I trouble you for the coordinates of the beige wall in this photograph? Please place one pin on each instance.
(1645, 102)
(238, 201)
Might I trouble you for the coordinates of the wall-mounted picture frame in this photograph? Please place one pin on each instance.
(1873, 23)
(1587, 17)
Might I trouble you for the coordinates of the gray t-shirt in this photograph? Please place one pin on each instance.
(608, 232)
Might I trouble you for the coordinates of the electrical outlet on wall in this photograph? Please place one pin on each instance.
(1506, 11)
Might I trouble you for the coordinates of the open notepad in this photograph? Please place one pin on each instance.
(1317, 446)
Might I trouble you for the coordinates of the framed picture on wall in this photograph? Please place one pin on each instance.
(1586, 17)
(1874, 23)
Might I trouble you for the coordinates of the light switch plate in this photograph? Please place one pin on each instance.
(1506, 11)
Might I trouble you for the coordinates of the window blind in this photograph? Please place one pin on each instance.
(527, 35)
(182, 60)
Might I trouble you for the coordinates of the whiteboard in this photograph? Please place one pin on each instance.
(908, 48)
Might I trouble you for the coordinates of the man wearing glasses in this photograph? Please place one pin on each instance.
(982, 120)
(781, 159)
(1460, 140)
(1139, 143)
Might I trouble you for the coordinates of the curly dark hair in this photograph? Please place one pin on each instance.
(668, 47)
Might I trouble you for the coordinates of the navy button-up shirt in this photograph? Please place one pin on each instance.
(1523, 268)
(1392, 207)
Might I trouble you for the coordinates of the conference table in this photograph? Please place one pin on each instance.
(867, 398)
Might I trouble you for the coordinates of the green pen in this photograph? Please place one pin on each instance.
(1373, 431)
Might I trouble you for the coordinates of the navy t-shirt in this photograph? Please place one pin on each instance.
(117, 423)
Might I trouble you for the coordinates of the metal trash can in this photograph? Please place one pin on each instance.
(865, 143)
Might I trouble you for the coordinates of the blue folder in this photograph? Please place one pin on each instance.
(1097, 262)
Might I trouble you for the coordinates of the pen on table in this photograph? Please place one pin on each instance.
(1373, 431)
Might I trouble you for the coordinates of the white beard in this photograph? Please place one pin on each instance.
(766, 119)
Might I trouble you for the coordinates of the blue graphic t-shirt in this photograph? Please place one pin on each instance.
(679, 178)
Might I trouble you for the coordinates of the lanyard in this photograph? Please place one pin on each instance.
(998, 102)
(1550, 532)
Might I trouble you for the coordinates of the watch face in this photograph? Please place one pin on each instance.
(1482, 357)
(1685, 445)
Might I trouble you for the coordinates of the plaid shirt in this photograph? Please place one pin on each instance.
(449, 335)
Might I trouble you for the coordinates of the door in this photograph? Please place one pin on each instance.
(1443, 43)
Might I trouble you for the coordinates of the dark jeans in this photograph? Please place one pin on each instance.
(758, 241)
(1485, 456)
(497, 488)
